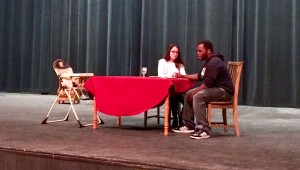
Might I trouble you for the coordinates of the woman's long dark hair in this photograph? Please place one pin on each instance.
(178, 60)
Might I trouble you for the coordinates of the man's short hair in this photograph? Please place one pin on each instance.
(207, 45)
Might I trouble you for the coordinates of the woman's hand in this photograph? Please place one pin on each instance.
(175, 75)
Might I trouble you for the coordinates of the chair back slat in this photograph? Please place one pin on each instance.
(235, 70)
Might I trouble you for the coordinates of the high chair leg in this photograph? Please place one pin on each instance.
(100, 121)
(77, 118)
(60, 120)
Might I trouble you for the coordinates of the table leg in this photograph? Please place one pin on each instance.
(119, 120)
(95, 115)
(167, 110)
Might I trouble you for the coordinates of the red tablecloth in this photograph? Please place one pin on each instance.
(127, 95)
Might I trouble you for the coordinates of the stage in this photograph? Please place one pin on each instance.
(269, 139)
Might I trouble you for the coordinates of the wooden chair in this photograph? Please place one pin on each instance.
(146, 116)
(157, 114)
(235, 70)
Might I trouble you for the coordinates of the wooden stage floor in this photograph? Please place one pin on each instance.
(269, 140)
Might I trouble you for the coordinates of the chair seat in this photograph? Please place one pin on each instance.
(221, 103)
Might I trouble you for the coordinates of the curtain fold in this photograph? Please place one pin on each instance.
(117, 37)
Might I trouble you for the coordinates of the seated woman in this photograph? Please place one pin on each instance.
(169, 67)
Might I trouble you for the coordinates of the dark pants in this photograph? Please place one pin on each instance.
(194, 112)
(175, 102)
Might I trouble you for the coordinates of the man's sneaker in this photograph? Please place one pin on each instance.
(183, 129)
(201, 134)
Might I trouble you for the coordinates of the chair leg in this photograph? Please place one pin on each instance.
(72, 101)
(224, 116)
(100, 121)
(60, 120)
(72, 106)
(225, 120)
(236, 125)
(209, 114)
(145, 118)
(158, 115)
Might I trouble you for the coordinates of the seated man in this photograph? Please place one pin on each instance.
(216, 86)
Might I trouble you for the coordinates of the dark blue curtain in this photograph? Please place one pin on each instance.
(116, 37)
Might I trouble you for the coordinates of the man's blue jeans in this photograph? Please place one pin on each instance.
(194, 112)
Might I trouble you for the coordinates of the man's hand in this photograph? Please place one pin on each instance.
(175, 75)
(201, 87)
(190, 97)
(179, 75)
(193, 77)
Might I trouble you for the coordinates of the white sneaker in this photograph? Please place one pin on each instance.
(183, 129)
(202, 134)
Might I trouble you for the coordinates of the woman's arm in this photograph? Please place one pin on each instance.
(161, 67)
(182, 70)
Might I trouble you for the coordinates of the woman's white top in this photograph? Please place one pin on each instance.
(167, 68)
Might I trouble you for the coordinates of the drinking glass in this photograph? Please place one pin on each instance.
(144, 71)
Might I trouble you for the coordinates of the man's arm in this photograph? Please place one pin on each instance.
(193, 77)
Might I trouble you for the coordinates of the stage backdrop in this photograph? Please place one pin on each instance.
(116, 37)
